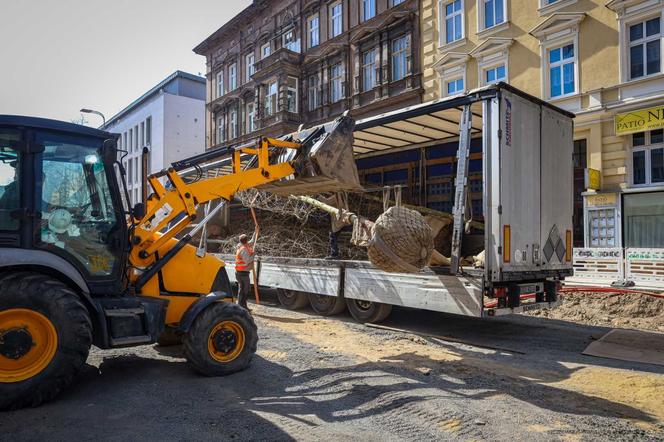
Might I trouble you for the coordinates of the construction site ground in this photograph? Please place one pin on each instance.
(317, 378)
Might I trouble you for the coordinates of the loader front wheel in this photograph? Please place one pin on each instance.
(292, 299)
(222, 340)
(45, 337)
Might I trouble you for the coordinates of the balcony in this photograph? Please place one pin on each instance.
(282, 61)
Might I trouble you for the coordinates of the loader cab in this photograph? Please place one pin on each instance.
(59, 194)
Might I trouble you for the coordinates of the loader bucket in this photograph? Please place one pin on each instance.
(324, 163)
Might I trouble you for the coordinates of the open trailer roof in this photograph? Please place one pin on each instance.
(427, 124)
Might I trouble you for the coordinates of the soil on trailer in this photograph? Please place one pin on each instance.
(635, 311)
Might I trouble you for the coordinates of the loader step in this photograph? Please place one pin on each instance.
(124, 312)
(131, 340)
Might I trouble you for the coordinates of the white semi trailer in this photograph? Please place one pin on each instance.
(527, 202)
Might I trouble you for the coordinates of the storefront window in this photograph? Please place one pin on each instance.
(644, 220)
(602, 227)
(648, 158)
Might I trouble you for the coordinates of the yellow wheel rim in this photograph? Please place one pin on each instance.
(39, 341)
(226, 341)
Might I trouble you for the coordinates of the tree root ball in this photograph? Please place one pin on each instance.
(402, 241)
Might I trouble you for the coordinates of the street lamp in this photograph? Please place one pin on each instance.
(91, 111)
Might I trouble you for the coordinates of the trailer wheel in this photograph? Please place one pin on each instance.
(327, 305)
(292, 299)
(367, 311)
(45, 337)
(221, 341)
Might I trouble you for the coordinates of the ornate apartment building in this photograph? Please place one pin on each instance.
(282, 63)
(602, 60)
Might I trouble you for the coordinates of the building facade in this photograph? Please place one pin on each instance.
(597, 58)
(169, 120)
(282, 63)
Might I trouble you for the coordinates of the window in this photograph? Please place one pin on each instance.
(336, 83)
(124, 142)
(137, 171)
(643, 216)
(397, 2)
(131, 140)
(645, 48)
(648, 158)
(290, 42)
(453, 21)
(493, 13)
(10, 172)
(250, 114)
(562, 71)
(602, 227)
(494, 74)
(368, 70)
(142, 138)
(136, 146)
(314, 26)
(232, 77)
(148, 131)
(313, 94)
(400, 58)
(454, 86)
(292, 95)
(336, 20)
(130, 171)
(369, 9)
(233, 124)
(265, 50)
(221, 130)
(271, 98)
(249, 60)
(220, 83)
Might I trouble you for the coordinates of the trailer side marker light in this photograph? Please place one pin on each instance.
(568, 246)
(507, 238)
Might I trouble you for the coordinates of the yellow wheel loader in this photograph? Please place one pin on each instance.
(79, 266)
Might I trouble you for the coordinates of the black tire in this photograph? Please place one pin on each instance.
(367, 311)
(169, 337)
(327, 305)
(195, 341)
(44, 296)
(292, 299)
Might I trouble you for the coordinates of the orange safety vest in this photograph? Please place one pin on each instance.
(240, 264)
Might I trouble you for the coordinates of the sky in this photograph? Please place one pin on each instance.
(58, 56)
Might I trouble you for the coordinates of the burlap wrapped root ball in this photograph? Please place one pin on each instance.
(402, 241)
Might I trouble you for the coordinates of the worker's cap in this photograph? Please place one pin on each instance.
(243, 238)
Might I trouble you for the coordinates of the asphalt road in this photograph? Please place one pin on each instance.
(319, 378)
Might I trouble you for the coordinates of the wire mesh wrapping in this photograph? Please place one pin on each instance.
(402, 241)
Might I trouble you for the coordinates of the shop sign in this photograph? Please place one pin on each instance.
(639, 120)
(593, 179)
(602, 199)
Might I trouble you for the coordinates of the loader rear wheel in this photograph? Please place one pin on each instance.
(221, 341)
(367, 311)
(327, 305)
(45, 337)
(292, 299)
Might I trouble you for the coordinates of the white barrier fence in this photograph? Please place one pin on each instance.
(643, 267)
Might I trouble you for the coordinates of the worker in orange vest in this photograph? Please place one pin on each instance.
(244, 264)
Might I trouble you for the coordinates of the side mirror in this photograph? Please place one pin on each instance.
(109, 151)
(138, 212)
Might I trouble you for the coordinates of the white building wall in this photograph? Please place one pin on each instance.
(184, 128)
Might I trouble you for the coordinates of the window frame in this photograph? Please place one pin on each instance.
(264, 46)
(296, 91)
(547, 71)
(340, 17)
(268, 95)
(220, 84)
(232, 77)
(292, 45)
(310, 29)
(489, 67)
(448, 80)
(313, 92)
(372, 5)
(221, 128)
(442, 21)
(481, 16)
(643, 41)
(250, 117)
(250, 68)
(406, 57)
(338, 79)
(371, 67)
(647, 148)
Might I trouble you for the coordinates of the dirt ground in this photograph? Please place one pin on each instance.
(317, 378)
(609, 310)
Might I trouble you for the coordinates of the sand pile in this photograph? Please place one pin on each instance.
(609, 310)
